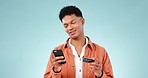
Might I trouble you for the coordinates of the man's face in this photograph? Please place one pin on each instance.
(73, 25)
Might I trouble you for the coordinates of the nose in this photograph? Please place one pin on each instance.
(70, 27)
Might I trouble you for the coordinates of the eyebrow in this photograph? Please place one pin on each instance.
(70, 21)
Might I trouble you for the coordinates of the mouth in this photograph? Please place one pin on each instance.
(72, 32)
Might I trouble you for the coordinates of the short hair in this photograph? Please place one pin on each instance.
(68, 10)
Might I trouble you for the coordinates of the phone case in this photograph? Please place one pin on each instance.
(58, 53)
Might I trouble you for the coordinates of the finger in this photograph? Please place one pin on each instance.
(62, 60)
(95, 69)
(99, 65)
(58, 58)
(57, 63)
(97, 60)
(95, 66)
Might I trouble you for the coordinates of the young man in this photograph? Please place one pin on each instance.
(77, 47)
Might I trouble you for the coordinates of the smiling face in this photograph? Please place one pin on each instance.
(73, 25)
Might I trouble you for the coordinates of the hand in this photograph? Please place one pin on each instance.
(56, 65)
(96, 67)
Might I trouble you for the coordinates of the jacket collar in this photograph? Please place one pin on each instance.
(90, 44)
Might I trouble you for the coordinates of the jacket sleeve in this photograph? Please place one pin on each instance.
(49, 73)
(106, 66)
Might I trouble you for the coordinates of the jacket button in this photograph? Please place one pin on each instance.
(73, 65)
(80, 70)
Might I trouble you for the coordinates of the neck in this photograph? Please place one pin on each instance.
(79, 42)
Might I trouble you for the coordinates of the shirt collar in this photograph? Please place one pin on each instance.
(90, 44)
(84, 44)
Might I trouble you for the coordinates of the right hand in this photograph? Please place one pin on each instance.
(56, 65)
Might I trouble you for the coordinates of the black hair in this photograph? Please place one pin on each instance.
(68, 10)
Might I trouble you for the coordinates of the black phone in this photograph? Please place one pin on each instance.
(88, 60)
(58, 53)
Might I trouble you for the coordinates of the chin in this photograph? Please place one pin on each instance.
(73, 37)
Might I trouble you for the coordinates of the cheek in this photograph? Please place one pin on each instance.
(66, 30)
(80, 28)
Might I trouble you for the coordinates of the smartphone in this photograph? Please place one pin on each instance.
(58, 53)
(88, 60)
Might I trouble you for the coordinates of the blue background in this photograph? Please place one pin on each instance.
(30, 29)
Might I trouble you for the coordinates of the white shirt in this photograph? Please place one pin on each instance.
(78, 60)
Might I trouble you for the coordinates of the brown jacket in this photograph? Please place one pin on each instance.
(68, 70)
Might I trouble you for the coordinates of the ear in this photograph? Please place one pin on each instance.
(83, 21)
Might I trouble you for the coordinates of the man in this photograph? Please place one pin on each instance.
(77, 47)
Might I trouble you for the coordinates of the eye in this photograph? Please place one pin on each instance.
(65, 25)
(73, 22)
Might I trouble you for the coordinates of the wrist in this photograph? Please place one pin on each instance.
(56, 70)
(100, 75)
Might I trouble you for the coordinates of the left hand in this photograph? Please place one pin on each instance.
(96, 67)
